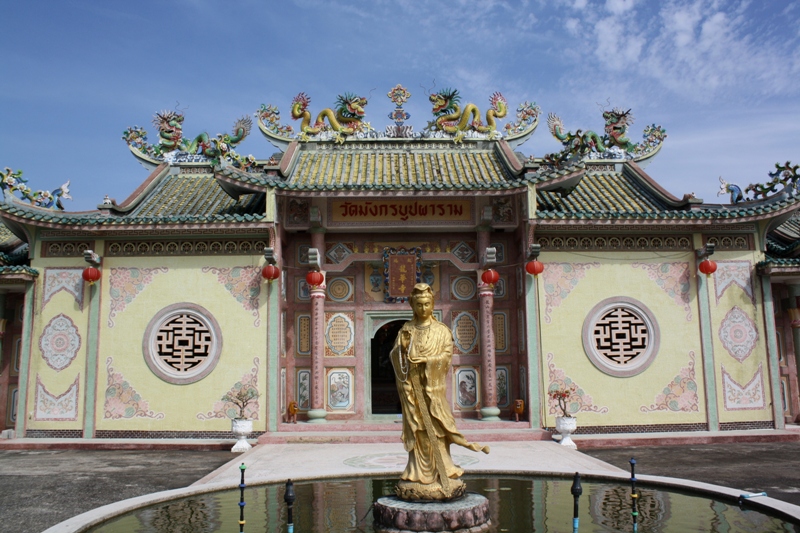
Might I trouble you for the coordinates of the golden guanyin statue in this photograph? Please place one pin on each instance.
(421, 358)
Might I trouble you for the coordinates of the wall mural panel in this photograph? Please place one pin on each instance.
(126, 284)
(302, 334)
(340, 290)
(227, 409)
(122, 400)
(738, 397)
(500, 327)
(339, 384)
(580, 401)
(467, 387)
(340, 334)
(738, 334)
(69, 280)
(60, 342)
(61, 407)
(303, 389)
(679, 395)
(244, 284)
(503, 386)
(734, 274)
(673, 278)
(559, 281)
(466, 333)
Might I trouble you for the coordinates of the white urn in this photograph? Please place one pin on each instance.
(241, 429)
(566, 426)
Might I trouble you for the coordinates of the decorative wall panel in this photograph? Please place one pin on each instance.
(61, 407)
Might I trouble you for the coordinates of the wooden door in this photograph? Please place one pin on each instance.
(10, 361)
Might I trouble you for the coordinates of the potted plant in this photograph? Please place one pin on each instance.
(241, 426)
(566, 424)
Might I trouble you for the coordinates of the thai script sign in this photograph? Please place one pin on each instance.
(405, 211)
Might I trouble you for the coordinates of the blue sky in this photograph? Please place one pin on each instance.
(721, 77)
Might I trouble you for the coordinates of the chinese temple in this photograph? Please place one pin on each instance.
(284, 279)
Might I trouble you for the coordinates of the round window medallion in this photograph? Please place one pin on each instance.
(182, 343)
(620, 336)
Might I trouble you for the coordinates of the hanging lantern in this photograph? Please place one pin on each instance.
(270, 272)
(490, 277)
(534, 267)
(314, 278)
(90, 275)
(707, 267)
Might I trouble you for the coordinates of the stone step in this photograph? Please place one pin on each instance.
(394, 436)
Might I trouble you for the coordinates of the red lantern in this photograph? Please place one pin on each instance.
(270, 272)
(534, 267)
(90, 275)
(314, 278)
(490, 277)
(707, 267)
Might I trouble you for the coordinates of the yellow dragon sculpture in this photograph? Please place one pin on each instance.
(451, 119)
(346, 120)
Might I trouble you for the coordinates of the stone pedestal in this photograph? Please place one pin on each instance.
(469, 514)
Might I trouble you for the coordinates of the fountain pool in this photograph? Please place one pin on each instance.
(517, 504)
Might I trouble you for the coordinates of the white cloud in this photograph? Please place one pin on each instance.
(618, 7)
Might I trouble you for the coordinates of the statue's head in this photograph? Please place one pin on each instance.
(421, 300)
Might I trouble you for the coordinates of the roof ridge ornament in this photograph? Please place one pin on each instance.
(784, 175)
(173, 147)
(613, 144)
(345, 122)
(12, 181)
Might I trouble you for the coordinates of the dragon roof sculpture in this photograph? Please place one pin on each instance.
(613, 144)
(346, 120)
(173, 146)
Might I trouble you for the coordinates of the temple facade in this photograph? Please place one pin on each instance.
(288, 276)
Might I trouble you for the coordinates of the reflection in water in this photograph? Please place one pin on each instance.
(516, 504)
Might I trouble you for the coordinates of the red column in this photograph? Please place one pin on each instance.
(317, 412)
(489, 410)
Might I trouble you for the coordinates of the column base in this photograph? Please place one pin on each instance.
(490, 414)
(317, 416)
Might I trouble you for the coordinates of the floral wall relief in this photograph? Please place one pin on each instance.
(61, 407)
(559, 280)
(60, 342)
(69, 280)
(244, 284)
(122, 400)
(738, 397)
(223, 409)
(673, 278)
(580, 401)
(738, 334)
(679, 395)
(734, 273)
(126, 284)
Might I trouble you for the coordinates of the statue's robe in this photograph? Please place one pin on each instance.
(429, 354)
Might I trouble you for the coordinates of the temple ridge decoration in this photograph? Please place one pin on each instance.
(173, 147)
(11, 182)
(613, 144)
(785, 176)
(450, 121)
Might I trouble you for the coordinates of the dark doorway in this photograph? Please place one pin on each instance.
(385, 400)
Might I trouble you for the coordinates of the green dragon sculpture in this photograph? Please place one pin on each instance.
(170, 134)
(346, 120)
(580, 143)
(450, 118)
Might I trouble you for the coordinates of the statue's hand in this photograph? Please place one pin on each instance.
(405, 340)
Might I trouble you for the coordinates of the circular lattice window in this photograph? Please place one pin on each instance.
(182, 343)
(620, 336)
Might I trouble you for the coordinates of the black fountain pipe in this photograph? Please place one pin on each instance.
(634, 497)
(288, 497)
(241, 500)
(576, 491)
